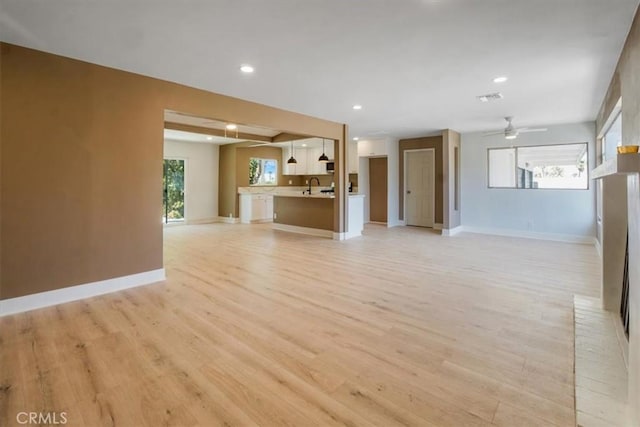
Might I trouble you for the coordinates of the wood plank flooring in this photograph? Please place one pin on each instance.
(260, 327)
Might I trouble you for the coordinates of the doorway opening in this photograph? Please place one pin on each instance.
(419, 185)
(173, 188)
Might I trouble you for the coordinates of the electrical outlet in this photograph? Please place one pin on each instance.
(275, 215)
(306, 181)
(290, 182)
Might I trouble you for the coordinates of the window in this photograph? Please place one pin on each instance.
(263, 171)
(539, 167)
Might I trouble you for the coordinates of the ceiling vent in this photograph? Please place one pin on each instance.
(490, 97)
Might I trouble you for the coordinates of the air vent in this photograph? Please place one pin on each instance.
(490, 97)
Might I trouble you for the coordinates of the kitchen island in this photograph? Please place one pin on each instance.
(294, 210)
(309, 213)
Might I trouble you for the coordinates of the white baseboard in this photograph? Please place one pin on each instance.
(303, 230)
(347, 235)
(228, 220)
(452, 231)
(74, 293)
(569, 238)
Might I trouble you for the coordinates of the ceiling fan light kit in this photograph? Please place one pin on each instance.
(510, 132)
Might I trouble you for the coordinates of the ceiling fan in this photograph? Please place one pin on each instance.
(511, 132)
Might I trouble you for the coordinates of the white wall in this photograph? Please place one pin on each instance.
(393, 183)
(560, 212)
(201, 178)
(363, 185)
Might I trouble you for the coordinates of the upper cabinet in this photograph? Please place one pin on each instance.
(353, 157)
(298, 168)
(307, 160)
(371, 148)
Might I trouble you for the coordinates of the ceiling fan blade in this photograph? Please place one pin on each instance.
(526, 130)
(493, 133)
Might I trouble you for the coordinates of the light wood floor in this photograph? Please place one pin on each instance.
(259, 327)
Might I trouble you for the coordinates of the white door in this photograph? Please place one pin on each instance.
(420, 187)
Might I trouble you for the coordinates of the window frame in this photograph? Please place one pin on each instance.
(264, 160)
(515, 171)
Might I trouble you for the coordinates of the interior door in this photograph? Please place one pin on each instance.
(420, 187)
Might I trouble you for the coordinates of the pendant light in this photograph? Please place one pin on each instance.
(323, 158)
(292, 160)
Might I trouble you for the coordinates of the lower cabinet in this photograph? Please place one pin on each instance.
(256, 208)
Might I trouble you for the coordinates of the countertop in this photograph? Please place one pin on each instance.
(291, 192)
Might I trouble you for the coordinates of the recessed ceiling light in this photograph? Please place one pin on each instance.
(209, 138)
(355, 138)
(500, 79)
(247, 69)
(231, 126)
(357, 107)
(304, 145)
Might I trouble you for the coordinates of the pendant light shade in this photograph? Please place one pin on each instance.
(292, 160)
(323, 158)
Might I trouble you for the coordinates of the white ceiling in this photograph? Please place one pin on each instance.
(416, 66)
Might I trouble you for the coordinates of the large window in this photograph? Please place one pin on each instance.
(263, 171)
(539, 167)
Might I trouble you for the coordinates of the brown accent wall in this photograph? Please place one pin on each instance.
(434, 142)
(378, 190)
(81, 166)
(242, 168)
(304, 212)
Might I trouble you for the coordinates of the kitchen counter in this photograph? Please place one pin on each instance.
(306, 196)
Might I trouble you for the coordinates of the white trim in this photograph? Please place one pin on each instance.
(228, 220)
(452, 231)
(598, 247)
(260, 221)
(74, 293)
(437, 226)
(404, 184)
(347, 235)
(303, 230)
(569, 238)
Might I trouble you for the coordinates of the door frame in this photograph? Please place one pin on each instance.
(433, 181)
(186, 162)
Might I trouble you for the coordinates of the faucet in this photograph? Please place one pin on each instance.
(311, 179)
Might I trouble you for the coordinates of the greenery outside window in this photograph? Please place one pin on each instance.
(263, 171)
(559, 166)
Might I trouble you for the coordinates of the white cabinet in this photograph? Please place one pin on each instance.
(299, 168)
(314, 167)
(256, 208)
(353, 157)
(372, 148)
(307, 160)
